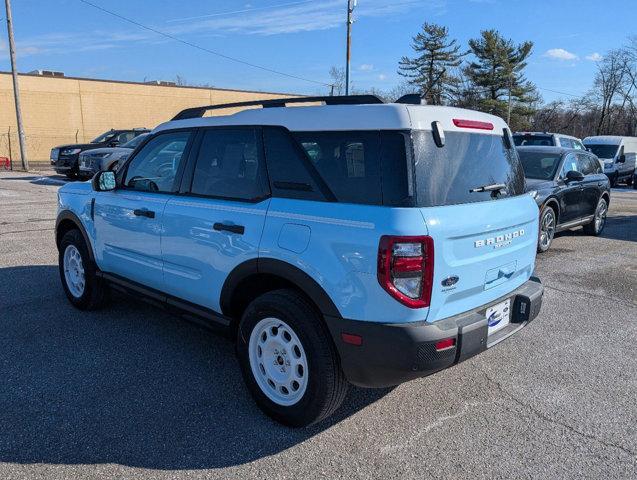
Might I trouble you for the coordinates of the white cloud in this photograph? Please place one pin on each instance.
(560, 54)
(382, 77)
(293, 18)
(366, 67)
(594, 57)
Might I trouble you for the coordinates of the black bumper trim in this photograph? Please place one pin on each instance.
(393, 353)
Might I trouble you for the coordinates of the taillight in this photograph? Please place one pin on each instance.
(406, 268)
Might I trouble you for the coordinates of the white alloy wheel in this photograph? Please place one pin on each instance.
(74, 271)
(278, 361)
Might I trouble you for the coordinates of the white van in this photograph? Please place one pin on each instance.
(618, 155)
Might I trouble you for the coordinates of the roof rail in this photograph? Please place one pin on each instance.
(197, 112)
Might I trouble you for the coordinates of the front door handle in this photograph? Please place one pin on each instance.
(238, 229)
(142, 212)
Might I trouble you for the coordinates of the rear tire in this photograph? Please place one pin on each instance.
(548, 222)
(596, 227)
(84, 289)
(630, 179)
(288, 359)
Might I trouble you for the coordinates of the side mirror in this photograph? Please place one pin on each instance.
(621, 159)
(104, 181)
(574, 176)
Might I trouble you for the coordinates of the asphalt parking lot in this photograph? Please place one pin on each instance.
(133, 391)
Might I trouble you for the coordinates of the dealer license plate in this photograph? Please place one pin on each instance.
(498, 316)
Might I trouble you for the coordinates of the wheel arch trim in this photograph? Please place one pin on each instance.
(69, 216)
(284, 270)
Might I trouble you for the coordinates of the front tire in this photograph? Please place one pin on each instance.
(548, 222)
(83, 288)
(288, 359)
(596, 227)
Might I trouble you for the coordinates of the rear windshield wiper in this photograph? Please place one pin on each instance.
(496, 187)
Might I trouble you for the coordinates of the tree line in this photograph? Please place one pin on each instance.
(489, 76)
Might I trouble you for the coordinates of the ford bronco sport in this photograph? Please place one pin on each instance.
(346, 242)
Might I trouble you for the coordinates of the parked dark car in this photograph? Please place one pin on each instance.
(569, 187)
(109, 158)
(64, 158)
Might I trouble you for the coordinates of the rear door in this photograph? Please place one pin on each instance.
(217, 222)
(128, 221)
(591, 184)
(484, 241)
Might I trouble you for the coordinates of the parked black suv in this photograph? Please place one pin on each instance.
(64, 158)
(569, 187)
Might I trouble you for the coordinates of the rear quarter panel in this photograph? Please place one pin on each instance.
(337, 245)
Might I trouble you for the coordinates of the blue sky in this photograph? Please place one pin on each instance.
(305, 38)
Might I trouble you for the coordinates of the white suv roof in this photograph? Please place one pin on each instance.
(390, 116)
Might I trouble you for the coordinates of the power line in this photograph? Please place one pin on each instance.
(561, 93)
(234, 12)
(199, 47)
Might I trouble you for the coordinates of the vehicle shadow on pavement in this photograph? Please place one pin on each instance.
(130, 384)
(621, 227)
(41, 179)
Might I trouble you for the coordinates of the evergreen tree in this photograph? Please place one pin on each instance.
(497, 82)
(432, 68)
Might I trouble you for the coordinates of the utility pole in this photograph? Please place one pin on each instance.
(16, 88)
(351, 4)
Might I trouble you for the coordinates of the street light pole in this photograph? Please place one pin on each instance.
(16, 88)
(351, 4)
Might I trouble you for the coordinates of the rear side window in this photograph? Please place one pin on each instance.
(566, 143)
(289, 169)
(230, 165)
(468, 161)
(348, 162)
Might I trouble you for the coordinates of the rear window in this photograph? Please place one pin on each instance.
(467, 161)
(533, 140)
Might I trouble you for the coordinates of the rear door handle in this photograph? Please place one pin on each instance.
(238, 229)
(142, 212)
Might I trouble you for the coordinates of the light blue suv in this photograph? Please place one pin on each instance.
(349, 241)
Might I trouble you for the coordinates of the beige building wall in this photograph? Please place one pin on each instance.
(68, 110)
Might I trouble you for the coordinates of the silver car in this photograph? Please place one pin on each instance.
(102, 159)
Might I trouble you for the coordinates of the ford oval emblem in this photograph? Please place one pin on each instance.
(450, 281)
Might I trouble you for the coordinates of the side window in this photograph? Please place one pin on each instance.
(584, 164)
(288, 168)
(348, 162)
(577, 145)
(566, 142)
(230, 165)
(570, 163)
(125, 137)
(154, 168)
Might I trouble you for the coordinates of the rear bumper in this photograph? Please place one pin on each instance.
(395, 353)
